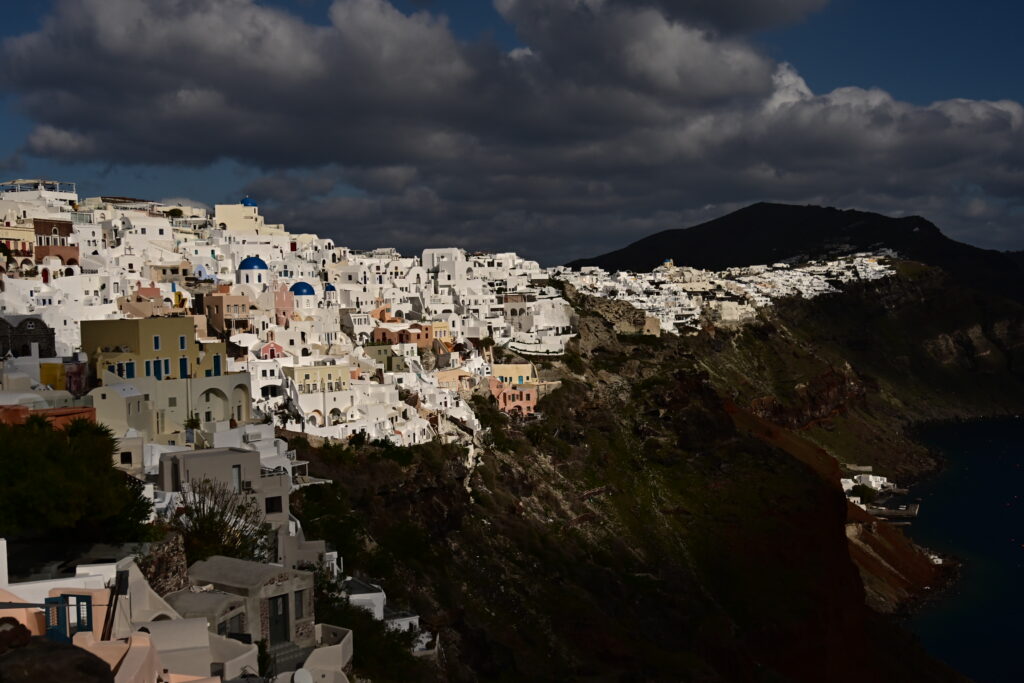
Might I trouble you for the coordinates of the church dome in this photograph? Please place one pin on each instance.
(253, 263)
(302, 289)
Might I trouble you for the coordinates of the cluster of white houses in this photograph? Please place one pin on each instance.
(680, 298)
(192, 334)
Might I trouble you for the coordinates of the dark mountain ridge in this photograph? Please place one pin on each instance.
(768, 233)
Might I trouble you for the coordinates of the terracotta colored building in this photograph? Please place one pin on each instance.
(53, 239)
(417, 333)
(58, 417)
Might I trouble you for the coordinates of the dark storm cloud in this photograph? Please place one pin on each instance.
(733, 15)
(614, 119)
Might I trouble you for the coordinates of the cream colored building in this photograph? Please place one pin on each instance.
(244, 217)
(176, 375)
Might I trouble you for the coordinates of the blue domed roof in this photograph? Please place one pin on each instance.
(302, 289)
(253, 263)
(330, 288)
(248, 201)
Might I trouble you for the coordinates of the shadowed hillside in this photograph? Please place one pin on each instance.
(675, 513)
(768, 233)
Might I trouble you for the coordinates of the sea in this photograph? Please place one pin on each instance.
(974, 510)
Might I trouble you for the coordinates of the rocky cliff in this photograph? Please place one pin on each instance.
(675, 513)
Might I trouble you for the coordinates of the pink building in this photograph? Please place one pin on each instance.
(518, 399)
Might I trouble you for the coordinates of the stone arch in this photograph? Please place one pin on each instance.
(68, 272)
(72, 262)
(315, 418)
(334, 416)
(241, 403)
(214, 405)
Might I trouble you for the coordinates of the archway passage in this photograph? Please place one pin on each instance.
(241, 403)
(214, 406)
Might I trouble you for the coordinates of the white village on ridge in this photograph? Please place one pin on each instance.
(200, 336)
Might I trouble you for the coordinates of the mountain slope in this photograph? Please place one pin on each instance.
(674, 513)
(767, 233)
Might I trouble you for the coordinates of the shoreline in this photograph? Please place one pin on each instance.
(952, 567)
(963, 617)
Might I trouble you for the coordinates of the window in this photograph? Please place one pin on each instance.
(236, 471)
(156, 342)
(126, 457)
(129, 370)
(300, 597)
(181, 342)
(172, 402)
(167, 366)
(273, 504)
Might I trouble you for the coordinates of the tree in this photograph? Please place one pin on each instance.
(215, 520)
(865, 493)
(174, 213)
(61, 485)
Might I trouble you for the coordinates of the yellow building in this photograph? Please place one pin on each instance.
(442, 331)
(162, 348)
(515, 373)
(20, 240)
(178, 377)
(311, 379)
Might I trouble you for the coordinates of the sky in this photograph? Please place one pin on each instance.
(556, 128)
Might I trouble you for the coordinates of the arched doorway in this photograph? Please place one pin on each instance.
(241, 403)
(214, 407)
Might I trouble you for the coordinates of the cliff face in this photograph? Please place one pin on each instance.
(852, 372)
(675, 513)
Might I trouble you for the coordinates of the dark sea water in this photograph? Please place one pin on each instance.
(974, 510)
